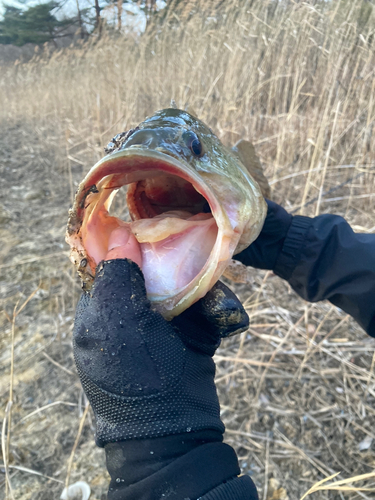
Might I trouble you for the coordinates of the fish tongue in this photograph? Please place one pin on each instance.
(174, 250)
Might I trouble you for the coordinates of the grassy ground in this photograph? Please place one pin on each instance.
(297, 390)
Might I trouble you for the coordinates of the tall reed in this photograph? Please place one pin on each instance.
(296, 78)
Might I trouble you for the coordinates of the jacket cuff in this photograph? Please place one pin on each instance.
(190, 476)
(293, 245)
(239, 488)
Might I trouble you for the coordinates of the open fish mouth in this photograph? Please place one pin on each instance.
(192, 204)
(184, 234)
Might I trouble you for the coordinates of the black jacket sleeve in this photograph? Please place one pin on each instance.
(185, 466)
(323, 258)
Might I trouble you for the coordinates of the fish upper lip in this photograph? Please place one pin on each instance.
(169, 152)
(180, 164)
(159, 149)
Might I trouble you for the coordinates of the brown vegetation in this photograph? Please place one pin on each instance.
(297, 79)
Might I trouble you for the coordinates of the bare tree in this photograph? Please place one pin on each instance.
(119, 14)
(80, 23)
(98, 19)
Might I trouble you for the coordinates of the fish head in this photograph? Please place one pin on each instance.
(192, 205)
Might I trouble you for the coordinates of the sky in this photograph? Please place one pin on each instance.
(132, 15)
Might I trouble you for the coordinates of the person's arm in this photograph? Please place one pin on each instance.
(151, 386)
(321, 258)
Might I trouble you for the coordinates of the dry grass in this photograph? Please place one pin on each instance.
(298, 389)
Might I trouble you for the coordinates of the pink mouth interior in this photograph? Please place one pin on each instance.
(167, 215)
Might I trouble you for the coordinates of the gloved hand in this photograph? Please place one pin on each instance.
(146, 377)
(265, 250)
(151, 386)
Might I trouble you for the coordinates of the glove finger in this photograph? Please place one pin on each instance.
(217, 315)
(117, 281)
(120, 281)
(222, 308)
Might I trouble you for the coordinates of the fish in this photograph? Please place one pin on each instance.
(192, 202)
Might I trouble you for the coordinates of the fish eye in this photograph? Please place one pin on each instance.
(194, 144)
(196, 147)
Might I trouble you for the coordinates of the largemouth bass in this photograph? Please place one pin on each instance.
(192, 203)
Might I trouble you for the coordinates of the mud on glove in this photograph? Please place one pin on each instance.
(151, 385)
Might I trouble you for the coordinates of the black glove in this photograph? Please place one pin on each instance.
(151, 385)
(265, 250)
